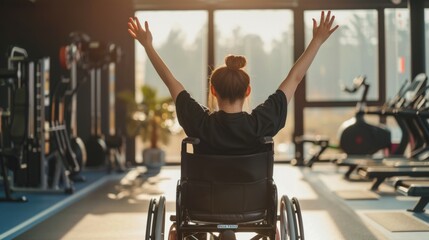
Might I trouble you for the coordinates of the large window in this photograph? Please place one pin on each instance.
(265, 37)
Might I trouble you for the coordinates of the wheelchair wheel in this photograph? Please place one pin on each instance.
(156, 219)
(159, 220)
(298, 218)
(288, 226)
(150, 213)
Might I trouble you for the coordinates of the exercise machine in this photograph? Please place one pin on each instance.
(26, 143)
(357, 137)
(13, 121)
(402, 108)
(69, 60)
(415, 188)
(114, 141)
(95, 54)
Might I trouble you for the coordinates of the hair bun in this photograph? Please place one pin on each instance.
(234, 62)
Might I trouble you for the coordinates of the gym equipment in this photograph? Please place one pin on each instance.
(419, 166)
(15, 93)
(381, 173)
(416, 188)
(28, 140)
(92, 59)
(114, 142)
(220, 194)
(357, 137)
(101, 146)
(320, 141)
(12, 156)
(69, 60)
(61, 134)
(403, 108)
(95, 145)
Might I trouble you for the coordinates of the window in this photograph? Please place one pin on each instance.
(180, 37)
(398, 59)
(265, 38)
(351, 51)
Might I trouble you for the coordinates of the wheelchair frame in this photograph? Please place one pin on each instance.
(290, 217)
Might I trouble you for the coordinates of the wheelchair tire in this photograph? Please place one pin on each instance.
(298, 218)
(288, 226)
(150, 212)
(159, 220)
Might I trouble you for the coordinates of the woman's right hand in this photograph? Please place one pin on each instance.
(144, 36)
(322, 31)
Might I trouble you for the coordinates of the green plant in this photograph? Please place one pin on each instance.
(153, 119)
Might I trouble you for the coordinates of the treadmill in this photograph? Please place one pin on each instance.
(408, 121)
(417, 167)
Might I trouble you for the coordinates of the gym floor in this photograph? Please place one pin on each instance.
(114, 206)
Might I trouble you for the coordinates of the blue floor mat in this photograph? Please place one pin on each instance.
(16, 218)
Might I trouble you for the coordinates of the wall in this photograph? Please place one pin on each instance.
(43, 26)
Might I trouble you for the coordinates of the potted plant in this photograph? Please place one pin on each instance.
(153, 120)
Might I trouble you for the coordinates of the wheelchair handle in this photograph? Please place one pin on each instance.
(191, 140)
(266, 140)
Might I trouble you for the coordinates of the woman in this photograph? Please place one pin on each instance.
(230, 130)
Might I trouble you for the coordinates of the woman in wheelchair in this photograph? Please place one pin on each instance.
(229, 131)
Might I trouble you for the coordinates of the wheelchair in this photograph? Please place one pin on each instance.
(223, 193)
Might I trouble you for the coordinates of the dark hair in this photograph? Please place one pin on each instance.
(230, 80)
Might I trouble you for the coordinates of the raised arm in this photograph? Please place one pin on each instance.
(144, 36)
(320, 34)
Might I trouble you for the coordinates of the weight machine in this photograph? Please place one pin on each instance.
(26, 151)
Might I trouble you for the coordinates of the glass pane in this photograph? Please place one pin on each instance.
(180, 37)
(350, 52)
(398, 59)
(265, 37)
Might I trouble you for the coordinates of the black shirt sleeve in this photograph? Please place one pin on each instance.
(270, 116)
(189, 113)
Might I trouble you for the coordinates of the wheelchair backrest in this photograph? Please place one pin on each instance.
(225, 185)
